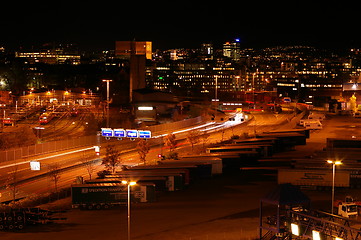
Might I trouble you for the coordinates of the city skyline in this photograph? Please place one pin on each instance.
(181, 26)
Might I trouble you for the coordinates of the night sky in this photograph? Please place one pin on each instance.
(180, 23)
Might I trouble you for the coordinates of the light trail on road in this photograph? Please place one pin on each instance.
(186, 130)
(48, 157)
(129, 156)
(206, 126)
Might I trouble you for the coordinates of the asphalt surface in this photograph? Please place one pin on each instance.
(221, 207)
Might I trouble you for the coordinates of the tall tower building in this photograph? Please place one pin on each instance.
(207, 51)
(232, 49)
(137, 53)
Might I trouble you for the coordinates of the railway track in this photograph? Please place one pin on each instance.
(66, 126)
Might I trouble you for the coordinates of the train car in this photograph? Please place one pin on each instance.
(45, 118)
(8, 121)
(74, 112)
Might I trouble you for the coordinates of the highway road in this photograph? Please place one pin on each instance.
(72, 161)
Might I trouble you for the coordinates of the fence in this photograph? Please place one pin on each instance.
(54, 146)
(47, 147)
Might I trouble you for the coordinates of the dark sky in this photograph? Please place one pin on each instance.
(180, 23)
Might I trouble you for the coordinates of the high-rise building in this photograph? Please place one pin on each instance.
(52, 53)
(232, 49)
(207, 51)
(137, 53)
(124, 49)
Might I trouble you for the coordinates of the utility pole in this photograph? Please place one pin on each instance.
(107, 81)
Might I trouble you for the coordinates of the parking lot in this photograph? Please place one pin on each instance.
(222, 207)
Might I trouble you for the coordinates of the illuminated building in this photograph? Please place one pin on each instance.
(51, 53)
(5, 97)
(194, 79)
(207, 51)
(49, 57)
(124, 49)
(137, 53)
(232, 49)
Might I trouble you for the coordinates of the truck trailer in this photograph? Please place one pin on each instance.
(317, 178)
(106, 195)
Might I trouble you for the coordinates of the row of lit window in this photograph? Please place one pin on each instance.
(286, 84)
(321, 85)
(45, 55)
(206, 84)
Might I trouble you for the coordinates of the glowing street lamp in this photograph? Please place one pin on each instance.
(295, 229)
(334, 163)
(316, 235)
(129, 184)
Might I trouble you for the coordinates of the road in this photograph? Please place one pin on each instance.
(224, 207)
(38, 182)
(209, 209)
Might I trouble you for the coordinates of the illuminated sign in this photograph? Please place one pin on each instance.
(107, 132)
(131, 133)
(145, 108)
(286, 99)
(144, 134)
(35, 165)
(120, 133)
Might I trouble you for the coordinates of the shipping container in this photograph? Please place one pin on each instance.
(287, 139)
(216, 163)
(343, 143)
(301, 131)
(175, 180)
(318, 178)
(106, 195)
(242, 148)
(267, 149)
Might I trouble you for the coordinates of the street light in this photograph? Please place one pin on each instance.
(216, 89)
(334, 163)
(107, 81)
(129, 184)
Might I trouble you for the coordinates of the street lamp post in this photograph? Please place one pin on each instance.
(107, 81)
(129, 184)
(334, 163)
(216, 88)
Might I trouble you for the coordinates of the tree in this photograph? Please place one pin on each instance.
(112, 158)
(143, 149)
(205, 137)
(24, 136)
(54, 174)
(89, 164)
(170, 141)
(353, 105)
(193, 137)
(17, 76)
